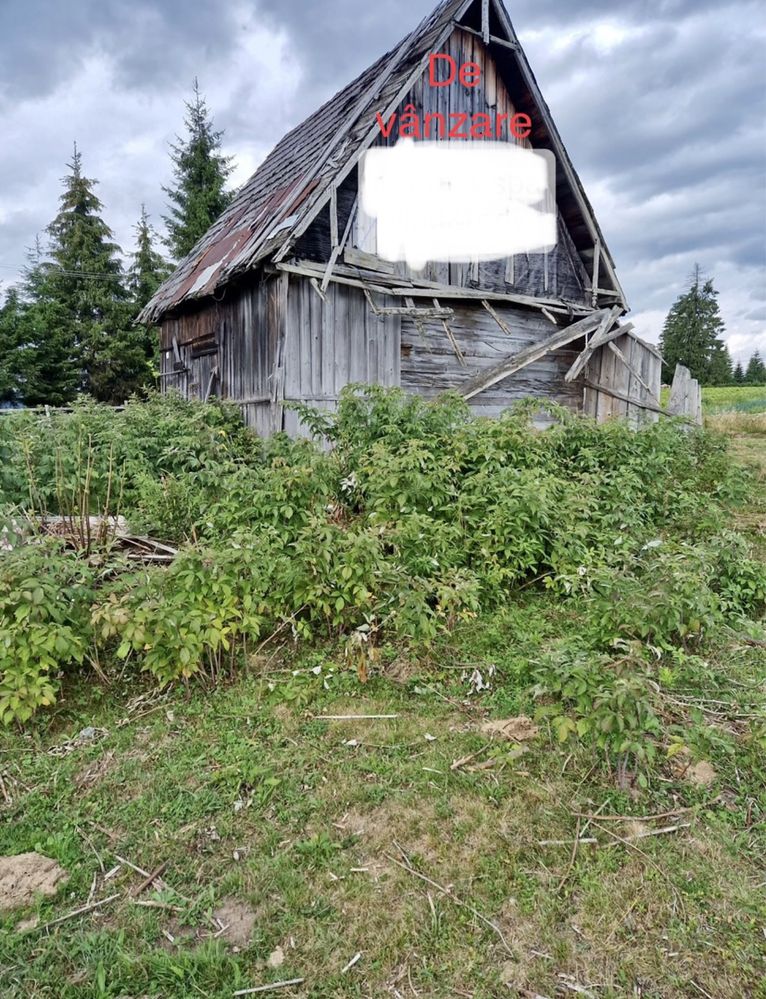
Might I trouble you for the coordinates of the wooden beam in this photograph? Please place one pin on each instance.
(451, 336)
(371, 261)
(337, 250)
(599, 338)
(393, 285)
(594, 281)
(436, 313)
(485, 21)
(334, 216)
(495, 316)
(485, 379)
(492, 38)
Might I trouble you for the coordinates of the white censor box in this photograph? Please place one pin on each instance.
(459, 202)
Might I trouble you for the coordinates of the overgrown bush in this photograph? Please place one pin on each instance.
(416, 517)
(45, 627)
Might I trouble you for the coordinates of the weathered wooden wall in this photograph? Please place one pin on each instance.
(245, 330)
(331, 343)
(430, 363)
(608, 370)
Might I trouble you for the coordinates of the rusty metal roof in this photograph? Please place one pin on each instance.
(299, 164)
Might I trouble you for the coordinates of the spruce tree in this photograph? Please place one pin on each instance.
(756, 370)
(148, 268)
(200, 171)
(691, 334)
(739, 374)
(147, 271)
(50, 365)
(85, 284)
(12, 345)
(720, 371)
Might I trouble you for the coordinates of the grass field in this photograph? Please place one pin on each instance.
(408, 855)
(740, 399)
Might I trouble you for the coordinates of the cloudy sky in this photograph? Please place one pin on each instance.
(660, 103)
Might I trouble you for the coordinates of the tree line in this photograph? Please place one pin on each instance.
(69, 326)
(693, 336)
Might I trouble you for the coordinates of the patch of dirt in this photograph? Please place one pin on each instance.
(27, 875)
(94, 772)
(402, 670)
(518, 729)
(701, 774)
(239, 920)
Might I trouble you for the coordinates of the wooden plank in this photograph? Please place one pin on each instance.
(686, 395)
(495, 316)
(371, 261)
(601, 388)
(334, 216)
(594, 280)
(427, 289)
(485, 21)
(597, 340)
(509, 365)
(339, 248)
(616, 350)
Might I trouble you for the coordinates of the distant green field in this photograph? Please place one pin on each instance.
(739, 399)
(729, 399)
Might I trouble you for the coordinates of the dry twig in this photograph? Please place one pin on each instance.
(446, 892)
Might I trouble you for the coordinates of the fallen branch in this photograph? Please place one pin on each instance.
(631, 818)
(351, 717)
(151, 877)
(76, 912)
(268, 988)
(448, 894)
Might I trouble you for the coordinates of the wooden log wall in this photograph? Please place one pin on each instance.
(430, 362)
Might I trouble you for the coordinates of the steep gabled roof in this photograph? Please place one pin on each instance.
(292, 184)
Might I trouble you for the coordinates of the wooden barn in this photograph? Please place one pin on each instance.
(286, 299)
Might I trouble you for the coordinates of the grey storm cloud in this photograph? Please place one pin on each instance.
(660, 104)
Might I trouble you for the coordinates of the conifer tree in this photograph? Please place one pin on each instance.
(84, 283)
(756, 370)
(11, 349)
(739, 374)
(50, 364)
(200, 171)
(720, 371)
(148, 268)
(691, 334)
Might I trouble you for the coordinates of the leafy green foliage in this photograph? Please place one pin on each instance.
(417, 519)
(45, 600)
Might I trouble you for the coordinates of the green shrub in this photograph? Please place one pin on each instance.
(45, 600)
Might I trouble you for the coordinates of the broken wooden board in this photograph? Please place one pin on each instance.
(485, 379)
(597, 340)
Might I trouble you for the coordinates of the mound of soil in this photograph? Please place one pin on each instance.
(25, 876)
